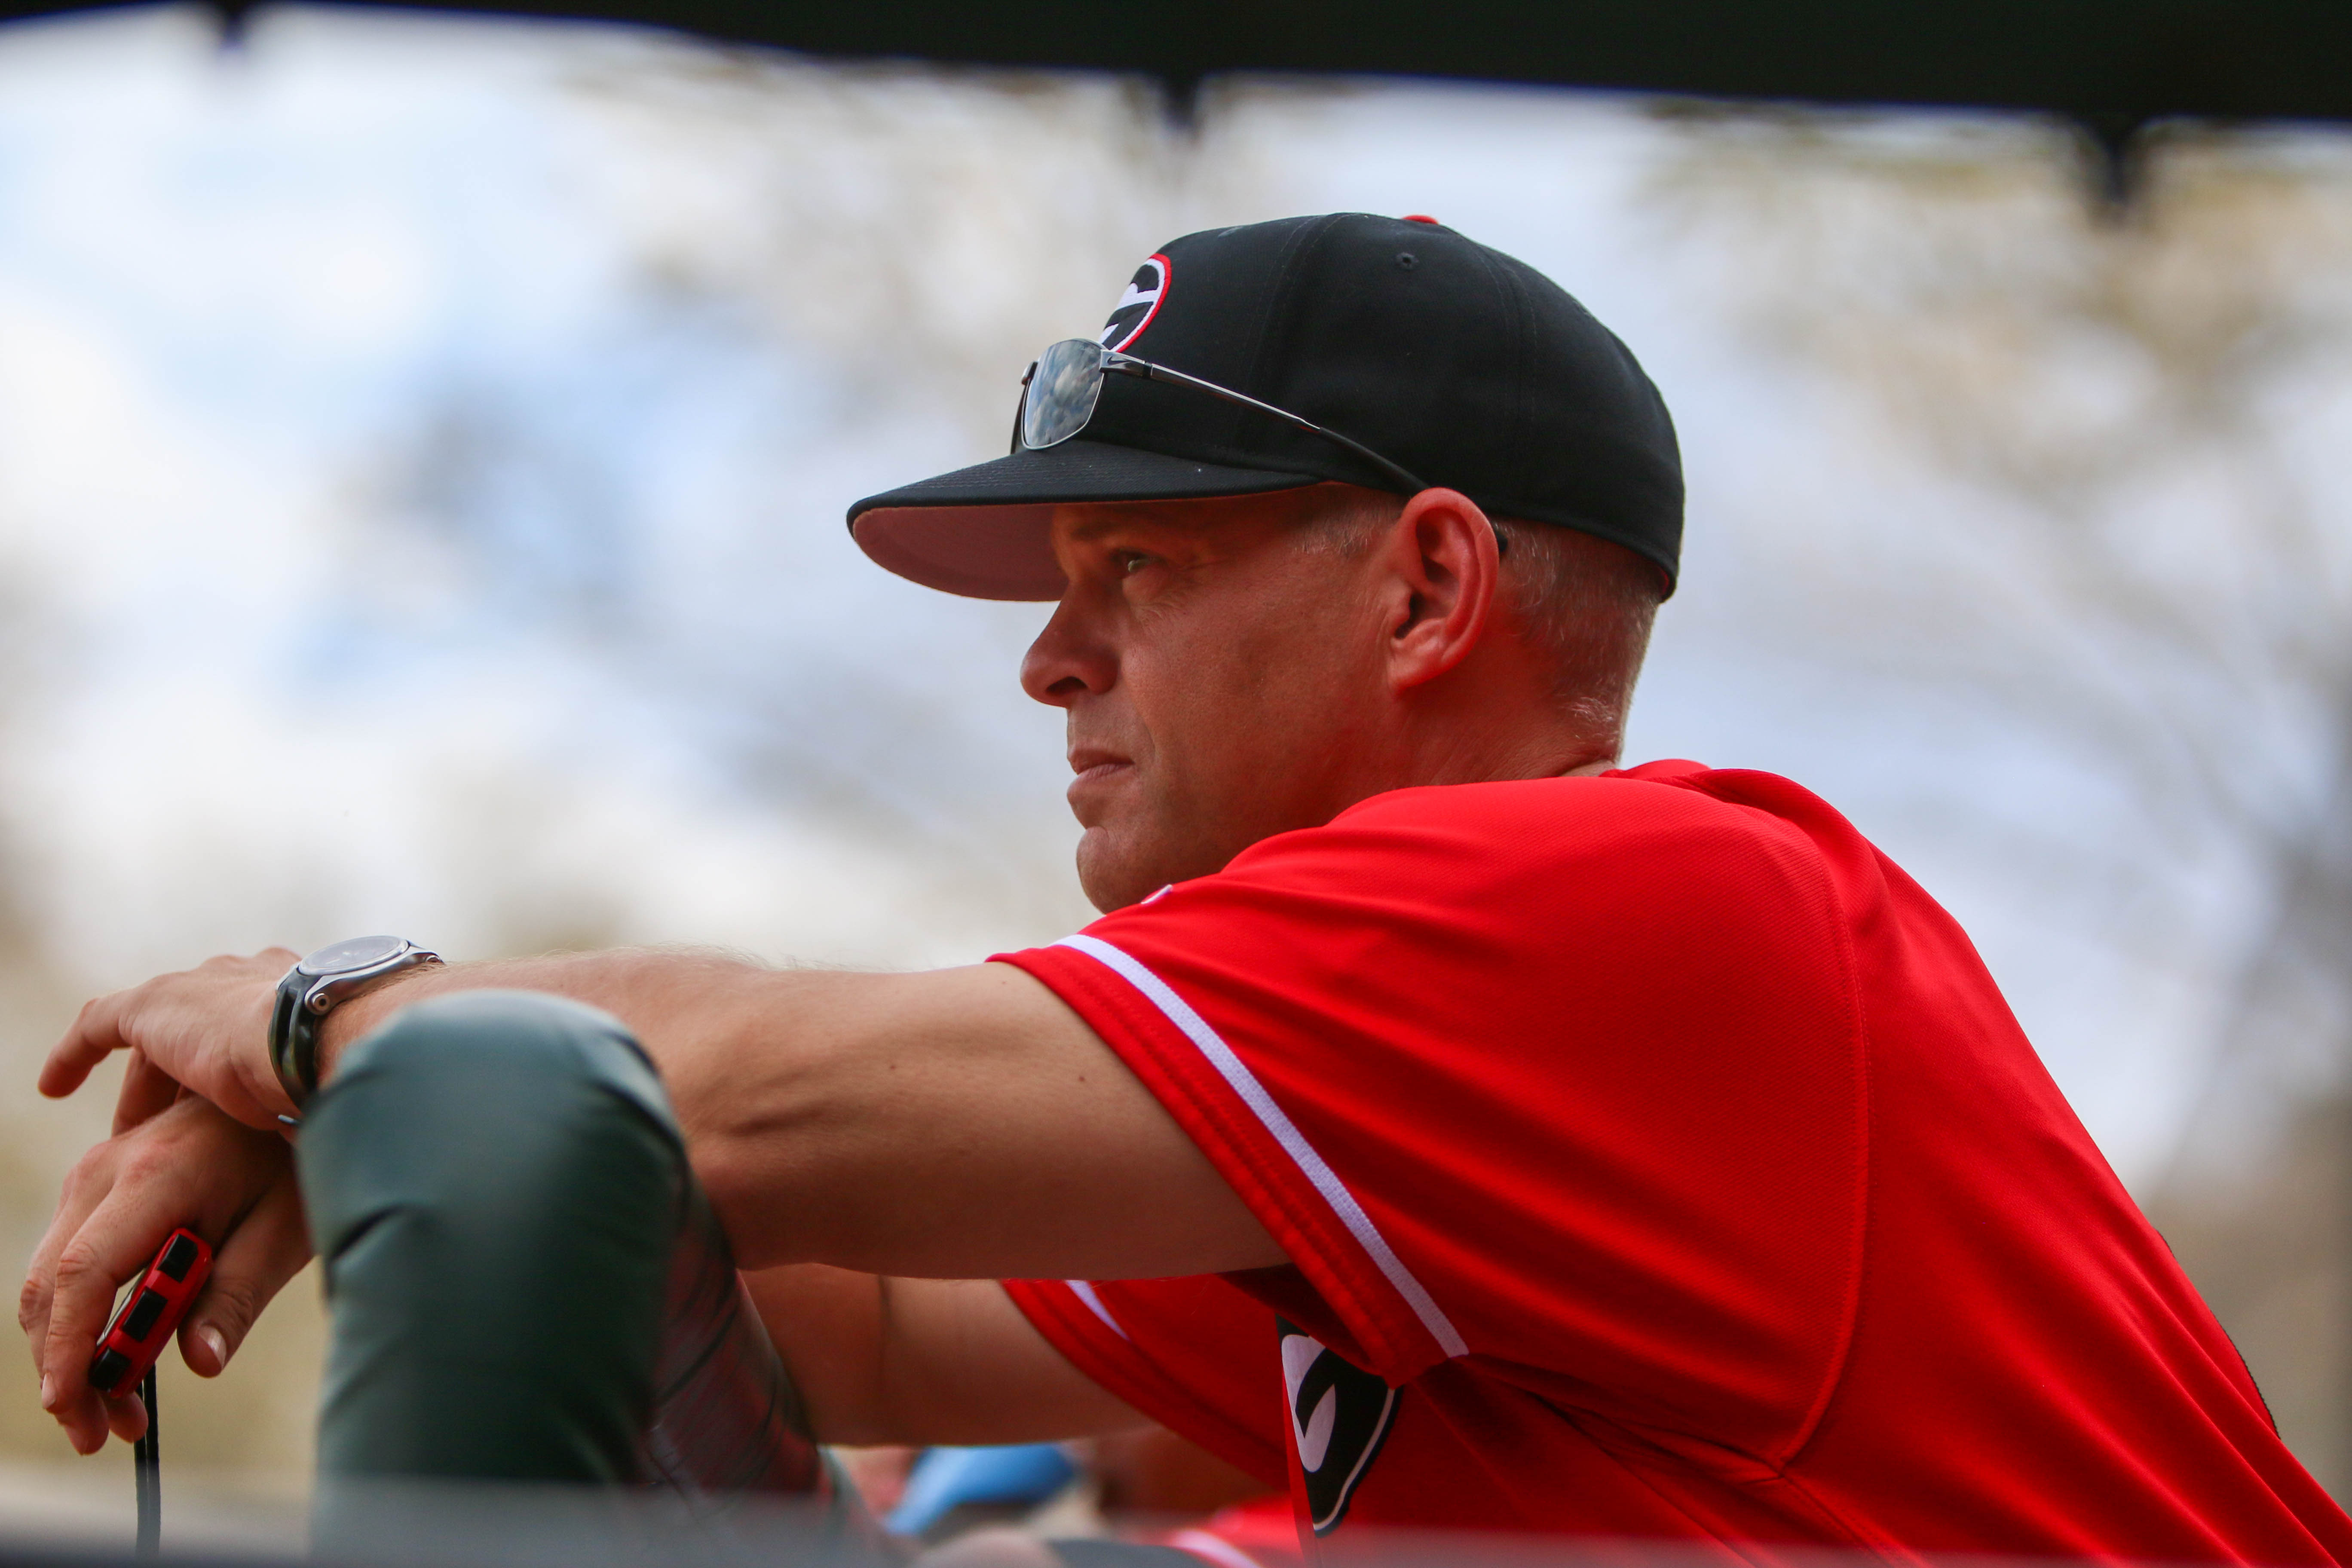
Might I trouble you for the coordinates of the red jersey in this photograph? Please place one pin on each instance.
(1653, 1159)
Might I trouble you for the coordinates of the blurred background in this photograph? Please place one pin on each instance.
(423, 446)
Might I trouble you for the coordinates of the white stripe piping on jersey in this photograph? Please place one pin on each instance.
(1211, 1548)
(1086, 1292)
(1245, 1083)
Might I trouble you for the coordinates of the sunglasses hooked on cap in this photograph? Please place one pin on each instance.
(1063, 384)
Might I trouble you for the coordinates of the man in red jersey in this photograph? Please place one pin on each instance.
(1442, 1124)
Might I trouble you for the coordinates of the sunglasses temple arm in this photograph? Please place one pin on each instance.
(1020, 409)
(1161, 373)
(1128, 364)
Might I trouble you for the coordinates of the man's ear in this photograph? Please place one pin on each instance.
(1444, 570)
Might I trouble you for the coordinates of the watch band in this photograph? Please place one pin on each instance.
(282, 1038)
(315, 987)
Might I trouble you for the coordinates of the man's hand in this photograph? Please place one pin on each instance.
(189, 1165)
(206, 1030)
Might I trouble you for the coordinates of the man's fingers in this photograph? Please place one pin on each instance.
(32, 1297)
(269, 1247)
(126, 1415)
(190, 1165)
(147, 1090)
(86, 1185)
(95, 1034)
(91, 1416)
(205, 1026)
(84, 1419)
(116, 1242)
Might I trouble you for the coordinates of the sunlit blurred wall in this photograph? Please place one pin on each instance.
(423, 445)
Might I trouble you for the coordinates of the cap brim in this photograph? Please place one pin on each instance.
(986, 532)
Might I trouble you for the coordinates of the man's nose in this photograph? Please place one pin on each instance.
(1069, 658)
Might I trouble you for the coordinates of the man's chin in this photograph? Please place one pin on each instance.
(1112, 874)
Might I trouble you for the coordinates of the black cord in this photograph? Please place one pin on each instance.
(146, 1466)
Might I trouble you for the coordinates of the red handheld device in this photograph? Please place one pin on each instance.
(143, 1325)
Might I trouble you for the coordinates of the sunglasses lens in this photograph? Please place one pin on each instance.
(1062, 393)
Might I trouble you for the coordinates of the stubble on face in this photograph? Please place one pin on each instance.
(1214, 674)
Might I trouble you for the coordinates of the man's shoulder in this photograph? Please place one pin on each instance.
(1674, 852)
(1658, 812)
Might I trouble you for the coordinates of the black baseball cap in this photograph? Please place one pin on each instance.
(1467, 367)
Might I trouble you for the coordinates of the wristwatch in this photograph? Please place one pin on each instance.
(314, 987)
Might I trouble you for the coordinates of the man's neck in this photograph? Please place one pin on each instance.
(1540, 753)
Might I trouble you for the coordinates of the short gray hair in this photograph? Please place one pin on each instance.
(1586, 604)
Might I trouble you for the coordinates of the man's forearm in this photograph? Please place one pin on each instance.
(721, 1032)
(948, 1124)
(958, 1123)
(878, 1359)
(664, 996)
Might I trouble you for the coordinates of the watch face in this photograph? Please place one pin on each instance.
(357, 952)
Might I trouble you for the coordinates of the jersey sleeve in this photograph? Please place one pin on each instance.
(1563, 1074)
(1195, 1355)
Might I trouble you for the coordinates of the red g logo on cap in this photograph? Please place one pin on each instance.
(1138, 305)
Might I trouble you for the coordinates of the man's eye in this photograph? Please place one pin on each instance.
(1130, 562)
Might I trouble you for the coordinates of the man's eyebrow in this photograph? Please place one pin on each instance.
(1094, 525)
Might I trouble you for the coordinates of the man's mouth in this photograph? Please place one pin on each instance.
(1093, 766)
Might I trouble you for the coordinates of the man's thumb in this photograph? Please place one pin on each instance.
(222, 1318)
(252, 1264)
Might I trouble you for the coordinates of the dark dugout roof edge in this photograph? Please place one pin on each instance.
(2112, 64)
